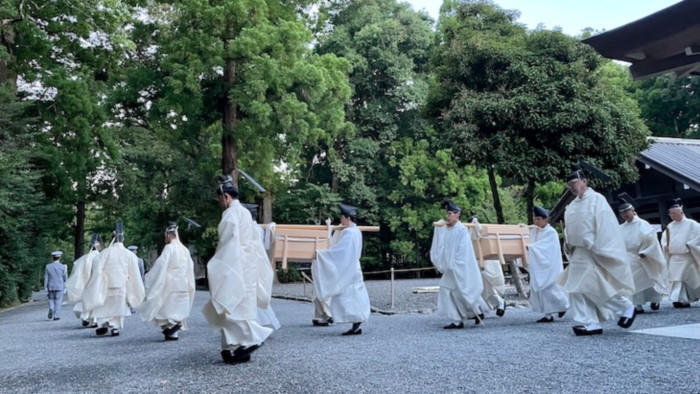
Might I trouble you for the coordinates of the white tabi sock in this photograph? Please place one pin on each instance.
(593, 326)
(628, 312)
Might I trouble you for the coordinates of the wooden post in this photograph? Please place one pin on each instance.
(392, 287)
(284, 253)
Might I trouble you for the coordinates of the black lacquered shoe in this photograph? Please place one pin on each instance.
(561, 314)
(581, 331)
(626, 322)
(102, 331)
(546, 319)
(230, 358)
(655, 306)
(501, 311)
(453, 326)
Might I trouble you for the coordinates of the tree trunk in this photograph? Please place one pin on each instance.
(7, 39)
(267, 208)
(79, 229)
(229, 151)
(494, 192)
(530, 197)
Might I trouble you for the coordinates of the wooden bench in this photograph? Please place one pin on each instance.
(298, 242)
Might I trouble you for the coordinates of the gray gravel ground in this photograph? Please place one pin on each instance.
(406, 352)
(405, 301)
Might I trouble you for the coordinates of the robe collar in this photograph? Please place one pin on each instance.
(589, 192)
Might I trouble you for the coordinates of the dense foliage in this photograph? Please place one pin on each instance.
(127, 110)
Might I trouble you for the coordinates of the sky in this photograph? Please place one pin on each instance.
(571, 15)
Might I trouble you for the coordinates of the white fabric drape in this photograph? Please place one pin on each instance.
(461, 284)
(78, 280)
(240, 279)
(683, 259)
(338, 278)
(114, 286)
(170, 286)
(544, 257)
(649, 273)
(599, 269)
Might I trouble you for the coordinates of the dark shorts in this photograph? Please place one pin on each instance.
(54, 294)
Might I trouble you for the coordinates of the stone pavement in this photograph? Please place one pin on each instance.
(406, 352)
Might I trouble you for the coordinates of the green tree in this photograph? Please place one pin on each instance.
(670, 106)
(386, 165)
(528, 105)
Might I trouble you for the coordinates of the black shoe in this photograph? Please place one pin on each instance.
(85, 323)
(93, 325)
(478, 321)
(685, 305)
(168, 332)
(330, 320)
(50, 314)
(626, 322)
(353, 331)
(317, 323)
(101, 331)
(561, 314)
(452, 326)
(57, 318)
(638, 310)
(678, 305)
(581, 331)
(546, 319)
(231, 358)
(655, 306)
(500, 312)
(170, 338)
(242, 351)
(115, 332)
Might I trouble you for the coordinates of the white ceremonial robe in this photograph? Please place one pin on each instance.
(170, 287)
(338, 282)
(78, 280)
(461, 284)
(598, 278)
(494, 284)
(240, 281)
(683, 259)
(544, 257)
(115, 285)
(266, 316)
(649, 273)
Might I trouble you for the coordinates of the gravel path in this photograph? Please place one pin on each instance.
(400, 353)
(405, 300)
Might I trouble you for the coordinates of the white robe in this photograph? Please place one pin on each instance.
(461, 284)
(266, 316)
(683, 259)
(338, 281)
(115, 285)
(544, 257)
(649, 273)
(494, 284)
(240, 280)
(78, 280)
(170, 287)
(598, 278)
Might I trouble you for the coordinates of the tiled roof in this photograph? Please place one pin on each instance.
(677, 158)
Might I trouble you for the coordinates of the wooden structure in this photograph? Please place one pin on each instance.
(298, 242)
(667, 170)
(666, 41)
(503, 242)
